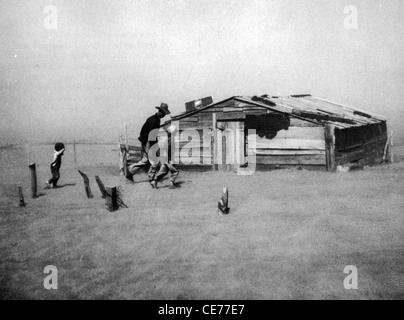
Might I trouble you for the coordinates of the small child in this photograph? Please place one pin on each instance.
(166, 165)
(55, 165)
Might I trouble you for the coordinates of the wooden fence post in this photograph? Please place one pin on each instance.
(34, 189)
(391, 154)
(330, 147)
(223, 204)
(101, 186)
(112, 199)
(214, 142)
(21, 196)
(125, 163)
(86, 185)
(236, 148)
(126, 135)
(224, 166)
(121, 170)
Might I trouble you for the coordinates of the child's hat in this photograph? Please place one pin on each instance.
(59, 146)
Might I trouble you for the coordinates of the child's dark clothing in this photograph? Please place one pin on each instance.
(55, 175)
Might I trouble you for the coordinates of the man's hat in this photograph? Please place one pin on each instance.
(164, 108)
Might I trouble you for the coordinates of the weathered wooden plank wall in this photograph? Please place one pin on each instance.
(192, 143)
(329, 136)
(293, 141)
(298, 143)
(291, 159)
(356, 136)
(230, 145)
(363, 144)
(290, 144)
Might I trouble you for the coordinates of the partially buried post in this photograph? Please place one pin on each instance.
(32, 168)
(112, 199)
(101, 186)
(223, 204)
(21, 196)
(86, 184)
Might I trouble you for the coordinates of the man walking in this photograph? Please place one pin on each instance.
(151, 123)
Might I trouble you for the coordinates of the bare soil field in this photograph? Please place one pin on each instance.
(289, 234)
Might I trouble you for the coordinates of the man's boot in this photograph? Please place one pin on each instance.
(128, 175)
(172, 184)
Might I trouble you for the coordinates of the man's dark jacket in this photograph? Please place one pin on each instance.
(151, 123)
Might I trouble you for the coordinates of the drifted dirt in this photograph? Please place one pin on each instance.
(289, 234)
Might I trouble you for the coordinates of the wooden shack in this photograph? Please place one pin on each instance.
(293, 131)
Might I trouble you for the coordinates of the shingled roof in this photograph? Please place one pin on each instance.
(304, 107)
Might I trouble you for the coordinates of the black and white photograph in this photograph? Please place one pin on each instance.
(183, 150)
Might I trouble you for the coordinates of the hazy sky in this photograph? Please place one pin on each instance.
(113, 61)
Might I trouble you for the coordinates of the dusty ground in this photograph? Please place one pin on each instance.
(289, 234)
